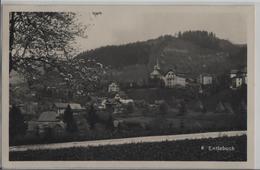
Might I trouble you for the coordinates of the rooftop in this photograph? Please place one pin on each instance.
(48, 116)
(73, 106)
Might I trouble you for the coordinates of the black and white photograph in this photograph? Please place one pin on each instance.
(129, 83)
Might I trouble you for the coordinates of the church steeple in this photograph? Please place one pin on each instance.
(156, 70)
(157, 65)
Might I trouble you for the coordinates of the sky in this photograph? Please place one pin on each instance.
(123, 24)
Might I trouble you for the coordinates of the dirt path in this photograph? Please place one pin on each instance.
(127, 140)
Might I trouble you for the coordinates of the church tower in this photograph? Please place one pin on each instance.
(156, 73)
(157, 65)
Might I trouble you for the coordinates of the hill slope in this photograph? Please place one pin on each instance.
(186, 54)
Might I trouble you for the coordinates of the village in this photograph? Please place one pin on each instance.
(171, 103)
(128, 83)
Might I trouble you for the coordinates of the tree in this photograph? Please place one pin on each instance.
(182, 108)
(43, 42)
(163, 108)
(37, 37)
(182, 125)
(69, 120)
(17, 125)
(92, 117)
(130, 108)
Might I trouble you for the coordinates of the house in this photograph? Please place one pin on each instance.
(121, 95)
(238, 78)
(169, 80)
(205, 79)
(30, 108)
(102, 104)
(172, 79)
(113, 87)
(233, 73)
(47, 124)
(61, 107)
(236, 82)
(114, 106)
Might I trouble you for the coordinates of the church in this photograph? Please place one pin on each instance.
(170, 79)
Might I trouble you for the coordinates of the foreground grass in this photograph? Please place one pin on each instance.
(186, 150)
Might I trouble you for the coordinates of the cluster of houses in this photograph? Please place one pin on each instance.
(172, 78)
(51, 120)
(169, 80)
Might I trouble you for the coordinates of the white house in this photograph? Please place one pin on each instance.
(113, 87)
(205, 79)
(236, 82)
(171, 79)
(238, 77)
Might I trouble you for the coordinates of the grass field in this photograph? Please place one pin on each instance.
(186, 150)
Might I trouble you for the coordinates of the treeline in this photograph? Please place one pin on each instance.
(120, 56)
(202, 38)
(196, 42)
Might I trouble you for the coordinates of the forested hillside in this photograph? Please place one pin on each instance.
(191, 52)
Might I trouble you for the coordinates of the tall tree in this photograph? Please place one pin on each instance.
(163, 108)
(41, 42)
(92, 117)
(17, 125)
(182, 108)
(69, 120)
(36, 38)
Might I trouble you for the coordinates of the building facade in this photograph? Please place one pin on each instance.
(171, 79)
(61, 107)
(238, 78)
(205, 79)
(113, 87)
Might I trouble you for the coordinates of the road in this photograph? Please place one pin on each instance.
(127, 140)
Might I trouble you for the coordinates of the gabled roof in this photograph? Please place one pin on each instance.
(61, 105)
(235, 71)
(73, 106)
(183, 75)
(170, 70)
(155, 73)
(238, 77)
(48, 116)
(179, 74)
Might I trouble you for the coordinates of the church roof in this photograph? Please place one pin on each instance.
(155, 73)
